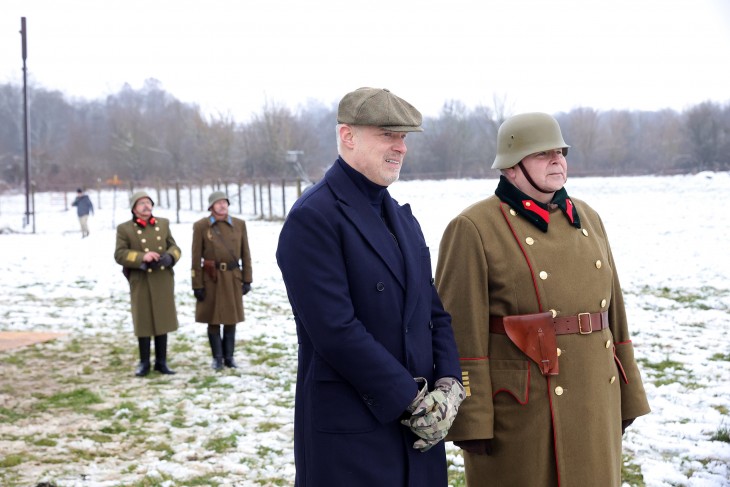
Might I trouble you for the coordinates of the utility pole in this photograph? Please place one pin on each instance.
(26, 126)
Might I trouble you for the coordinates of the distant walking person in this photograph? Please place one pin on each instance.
(147, 252)
(221, 276)
(83, 208)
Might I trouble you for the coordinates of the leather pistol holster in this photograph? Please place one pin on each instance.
(209, 268)
(535, 335)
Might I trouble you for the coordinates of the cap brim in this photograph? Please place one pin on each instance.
(403, 128)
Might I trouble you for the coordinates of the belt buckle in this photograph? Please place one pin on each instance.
(224, 267)
(580, 326)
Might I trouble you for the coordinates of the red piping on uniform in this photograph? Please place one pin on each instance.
(569, 209)
(532, 272)
(552, 420)
(527, 389)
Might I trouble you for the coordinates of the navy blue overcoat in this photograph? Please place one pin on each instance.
(367, 324)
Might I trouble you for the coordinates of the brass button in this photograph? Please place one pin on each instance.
(554, 313)
(543, 275)
(146, 250)
(139, 232)
(512, 212)
(560, 352)
(608, 344)
(157, 229)
(613, 379)
(559, 391)
(159, 248)
(144, 240)
(598, 264)
(159, 238)
(528, 204)
(529, 240)
(149, 270)
(585, 232)
(162, 267)
(603, 303)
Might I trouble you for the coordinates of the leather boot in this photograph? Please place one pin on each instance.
(143, 367)
(216, 348)
(161, 355)
(229, 344)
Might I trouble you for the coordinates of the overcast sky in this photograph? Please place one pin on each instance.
(233, 56)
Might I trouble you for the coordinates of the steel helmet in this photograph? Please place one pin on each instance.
(525, 134)
(216, 196)
(138, 196)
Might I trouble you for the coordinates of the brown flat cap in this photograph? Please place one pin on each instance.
(379, 108)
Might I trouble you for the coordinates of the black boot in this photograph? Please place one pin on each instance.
(229, 344)
(143, 368)
(216, 348)
(161, 355)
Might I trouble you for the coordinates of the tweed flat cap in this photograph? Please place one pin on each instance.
(379, 108)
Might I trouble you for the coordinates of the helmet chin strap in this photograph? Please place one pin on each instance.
(529, 179)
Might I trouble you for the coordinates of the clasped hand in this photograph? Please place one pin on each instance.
(433, 413)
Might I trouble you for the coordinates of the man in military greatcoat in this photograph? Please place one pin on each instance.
(147, 252)
(221, 276)
(529, 279)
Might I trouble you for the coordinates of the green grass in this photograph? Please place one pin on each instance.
(722, 434)
(78, 399)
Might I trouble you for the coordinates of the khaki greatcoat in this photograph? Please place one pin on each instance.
(152, 291)
(563, 430)
(221, 241)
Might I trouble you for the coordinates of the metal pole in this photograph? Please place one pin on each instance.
(26, 125)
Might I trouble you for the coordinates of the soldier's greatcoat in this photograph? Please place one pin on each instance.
(152, 291)
(547, 431)
(223, 242)
(368, 321)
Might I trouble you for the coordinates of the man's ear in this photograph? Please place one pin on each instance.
(347, 135)
(510, 173)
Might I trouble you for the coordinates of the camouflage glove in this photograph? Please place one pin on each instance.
(432, 418)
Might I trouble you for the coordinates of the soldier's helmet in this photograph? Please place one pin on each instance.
(138, 196)
(525, 134)
(216, 196)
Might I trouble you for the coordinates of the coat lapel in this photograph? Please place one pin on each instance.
(357, 209)
(401, 219)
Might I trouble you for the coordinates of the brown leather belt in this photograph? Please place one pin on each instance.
(583, 323)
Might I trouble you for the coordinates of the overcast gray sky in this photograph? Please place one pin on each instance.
(233, 56)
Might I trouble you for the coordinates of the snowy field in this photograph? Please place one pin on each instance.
(670, 240)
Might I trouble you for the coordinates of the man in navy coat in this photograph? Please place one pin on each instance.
(370, 324)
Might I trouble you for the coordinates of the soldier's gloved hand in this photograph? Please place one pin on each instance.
(246, 288)
(433, 417)
(199, 294)
(478, 447)
(166, 260)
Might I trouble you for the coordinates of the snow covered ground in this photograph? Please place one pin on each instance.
(669, 235)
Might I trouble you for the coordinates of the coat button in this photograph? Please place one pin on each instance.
(598, 264)
(585, 232)
(559, 391)
(529, 240)
(554, 313)
(543, 275)
(560, 352)
(146, 250)
(613, 379)
(512, 212)
(603, 303)
(380, 286)
(608, 344)
(433, 281)
(144, 240)
(139, 232)
(430, 325)
(159, 238)
(149, 270)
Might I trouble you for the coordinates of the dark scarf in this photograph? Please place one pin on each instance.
(373, 192)
(533, 211)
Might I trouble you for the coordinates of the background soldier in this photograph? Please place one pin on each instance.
(146, 251)
(221, 276)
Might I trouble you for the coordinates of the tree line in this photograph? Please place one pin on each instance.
(148, 135)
